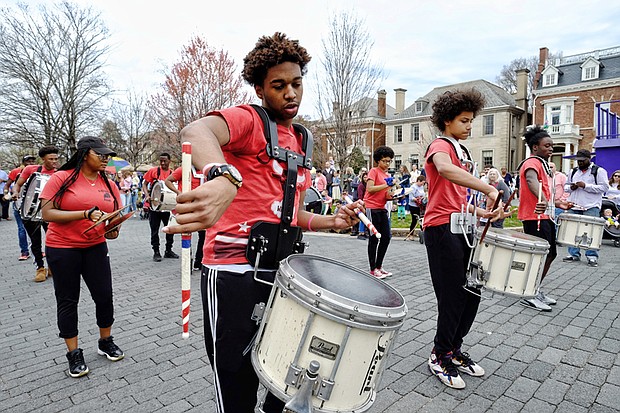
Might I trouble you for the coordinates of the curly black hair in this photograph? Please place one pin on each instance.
(46, 150)
(450, 104)
(270, 51)
(382, 152)
(534, 134)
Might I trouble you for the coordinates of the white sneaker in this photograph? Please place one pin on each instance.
(465, 364)
(445, 371)
(546, 299)
(535, 303)
(384, 272)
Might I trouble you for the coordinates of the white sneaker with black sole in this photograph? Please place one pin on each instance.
(535, 303)
(465, 364)
(546, 299)
(445, 370)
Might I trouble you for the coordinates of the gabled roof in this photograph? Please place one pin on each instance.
(494, 96)
(369, 105)
(571, 66)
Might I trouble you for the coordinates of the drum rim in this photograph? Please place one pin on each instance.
(30, 192)
(304, 291)
(495, 238)
(579, 217)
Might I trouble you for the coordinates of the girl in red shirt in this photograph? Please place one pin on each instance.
(377, 186)
(74, 198)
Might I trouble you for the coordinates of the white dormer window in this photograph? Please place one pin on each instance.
(590, 69)
(550, 76)
(419, 107)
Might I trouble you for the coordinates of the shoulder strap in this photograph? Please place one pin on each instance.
(594, 173)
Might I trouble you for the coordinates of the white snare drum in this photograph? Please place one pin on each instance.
(312, 195)
(509, 262)
(345, 319)
(162, 197)
(30, 209)
(581, 231)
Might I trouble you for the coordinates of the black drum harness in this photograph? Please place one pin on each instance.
(269, 243)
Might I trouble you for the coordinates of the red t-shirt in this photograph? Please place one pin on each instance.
(14, 174)
(528, 200)
(376, 200)
(156, 173)
(30, 169)
(177, 174)
(260, 197)
(79, 196)
(444, 196)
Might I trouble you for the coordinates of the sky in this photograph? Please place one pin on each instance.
(420, 44)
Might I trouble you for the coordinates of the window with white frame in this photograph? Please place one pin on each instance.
(415, 132)
(550, 79)
(414, 159)
(398, 161)
(488, 124)
(487, 157)
(590, 69)
(589, 73)
(419, 107)
(398, 134)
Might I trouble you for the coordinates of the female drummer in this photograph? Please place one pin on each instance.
(377, 186)
(537, 178)
(74, 198)
(448, 253)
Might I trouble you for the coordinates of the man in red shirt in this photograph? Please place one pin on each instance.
(156, 218)
(49, 155)
(245, 187)
(448, 175)
(21, 230)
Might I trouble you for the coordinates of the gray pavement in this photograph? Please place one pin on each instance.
(567, 360)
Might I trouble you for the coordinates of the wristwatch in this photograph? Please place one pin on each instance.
(228, 171)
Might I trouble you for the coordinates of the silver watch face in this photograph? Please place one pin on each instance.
(234, 172)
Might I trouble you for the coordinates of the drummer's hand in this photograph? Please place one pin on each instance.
(112, 234)
(96, 215)
(346, 215)
(564, 204)
(541, 207)
(202, 207)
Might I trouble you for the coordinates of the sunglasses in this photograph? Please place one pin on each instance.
(616, 176)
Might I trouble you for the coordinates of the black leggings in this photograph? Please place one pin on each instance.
(33, 228)
(67, 265)
(376, 254)
(415, 214)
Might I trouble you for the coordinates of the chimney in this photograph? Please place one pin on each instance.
(381, 105)
(400, 99)
(522, 75)
(542, 63)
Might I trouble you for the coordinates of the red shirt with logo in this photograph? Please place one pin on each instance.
(260, 197)
(528, 200)
(376, 200)
(80, 196)
(444, 196)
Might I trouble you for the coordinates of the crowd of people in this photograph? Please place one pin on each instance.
(240, 191)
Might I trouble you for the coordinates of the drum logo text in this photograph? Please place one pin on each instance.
(323, 348)
(372, 368)
(518, 265)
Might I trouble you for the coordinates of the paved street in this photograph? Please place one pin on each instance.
(567, 360)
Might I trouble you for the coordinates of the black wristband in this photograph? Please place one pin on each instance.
(90, 212)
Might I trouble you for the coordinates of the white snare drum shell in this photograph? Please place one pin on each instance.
(512, 261)
(350, 337)
(581, 231)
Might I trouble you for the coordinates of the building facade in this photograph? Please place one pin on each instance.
(569, 95)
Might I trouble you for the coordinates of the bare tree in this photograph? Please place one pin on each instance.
(203, 80)
(507, 78)
(347, 76)
(133, 123)
(51, 69)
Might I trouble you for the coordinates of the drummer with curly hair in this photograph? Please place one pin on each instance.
(49, 156)
(449, 176)
(250, 187)
(74, 198)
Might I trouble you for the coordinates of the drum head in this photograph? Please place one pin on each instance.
(312, 195)
(345, 281)
(517, 238)
(156, 194)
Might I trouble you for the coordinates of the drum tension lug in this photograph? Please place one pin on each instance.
(257, 314)
(324, 391)
(583, 239)
(293, 376)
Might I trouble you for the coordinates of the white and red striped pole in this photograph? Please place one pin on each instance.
(186, 241)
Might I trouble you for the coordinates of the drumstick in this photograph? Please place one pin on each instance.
(488, 223)
(539, 200)
(363, 218)
(507, 207)
(186, 242)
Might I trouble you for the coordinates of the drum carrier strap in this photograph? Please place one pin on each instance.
(269, 243)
